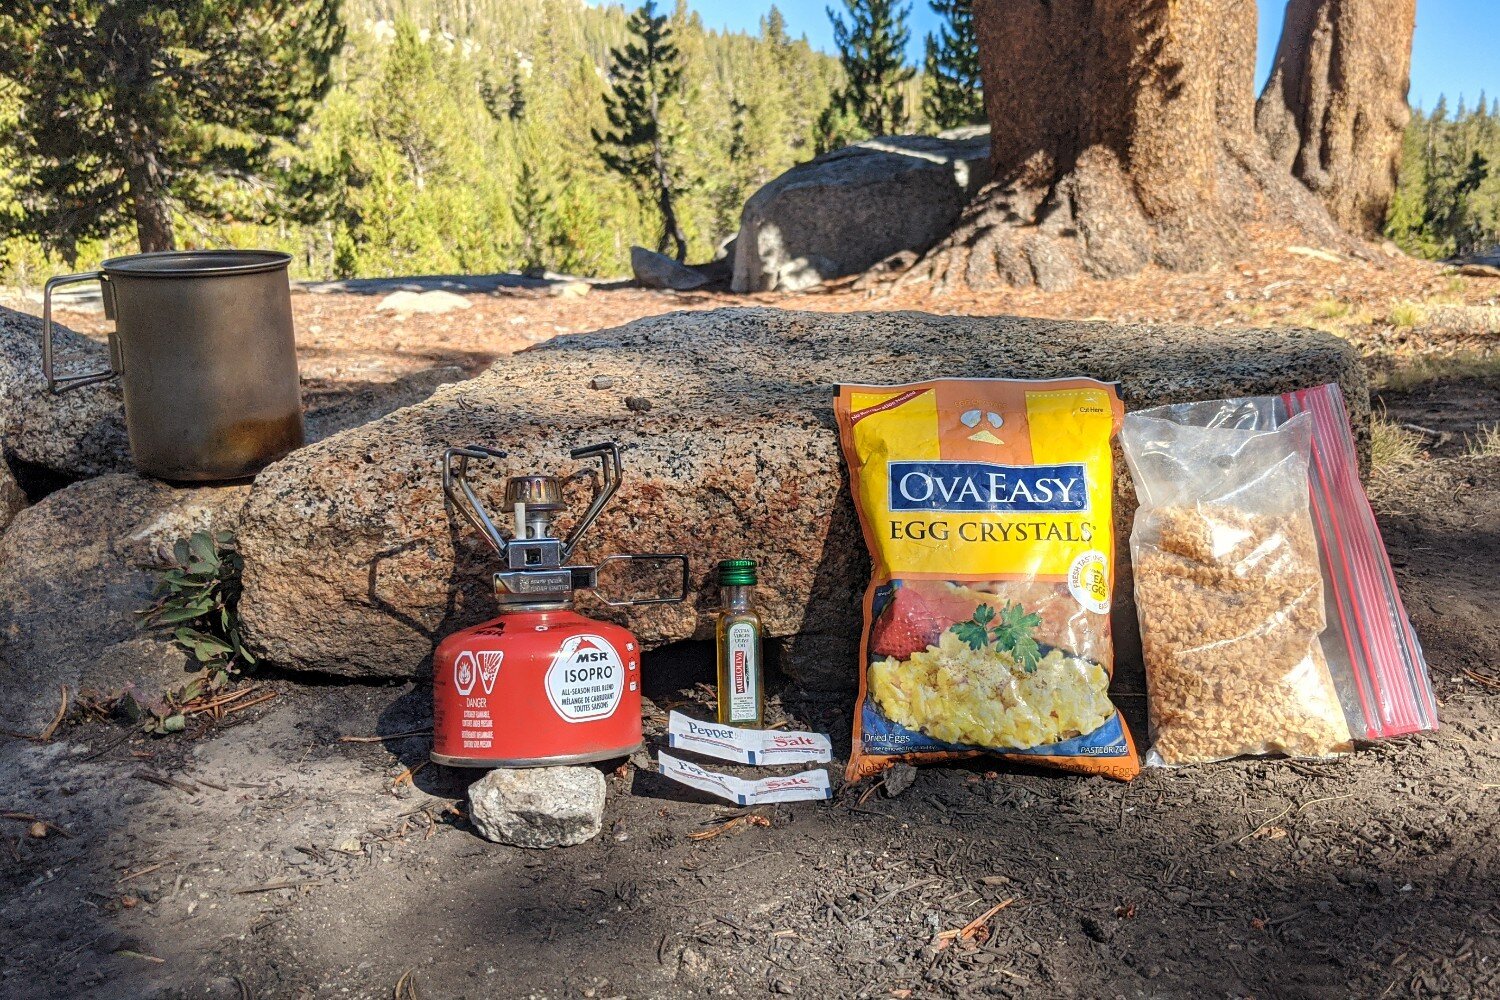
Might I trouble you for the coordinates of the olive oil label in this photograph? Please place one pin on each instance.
(744, 672)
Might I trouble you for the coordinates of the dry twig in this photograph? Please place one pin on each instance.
(1288, 810)
(62, 712)
(165, 782)
(733, 822)
(407, 775)
(141, 871)
(973, 928)
(272, 886)
(406, 986)
(383, 739)
(213, 703)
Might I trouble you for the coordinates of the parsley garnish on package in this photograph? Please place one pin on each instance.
(1012, 634)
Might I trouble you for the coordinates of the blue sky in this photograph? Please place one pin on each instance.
(1456, 50)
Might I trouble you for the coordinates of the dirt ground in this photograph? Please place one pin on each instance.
(268, 855)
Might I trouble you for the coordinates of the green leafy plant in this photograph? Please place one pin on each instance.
(158, 716)
(198, 599)
(1011, 633)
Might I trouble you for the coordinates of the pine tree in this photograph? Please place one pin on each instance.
(953, 91)
(773, 28)
(1447, 201)
(504, 103)
(1405, 221)
(135, 109)
(647, 73)
(734, 178)
(517, 108)
(872, 49)
(532, 211)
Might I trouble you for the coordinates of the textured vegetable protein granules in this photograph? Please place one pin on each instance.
(1228, 584)
(1231, 606)
(986, 506)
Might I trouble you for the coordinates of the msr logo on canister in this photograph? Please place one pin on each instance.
(586, 679)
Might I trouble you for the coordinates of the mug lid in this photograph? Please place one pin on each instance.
(196, 263)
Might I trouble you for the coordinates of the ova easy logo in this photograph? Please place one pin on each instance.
(586, 679)
(484, 668)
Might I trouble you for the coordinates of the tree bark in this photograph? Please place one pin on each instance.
(1122, 134)
(671, 230)
(148, 204)
(1334, 110)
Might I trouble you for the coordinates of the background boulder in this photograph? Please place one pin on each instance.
(355, 566)
(847, 210)
(74, 570)
(657, 270)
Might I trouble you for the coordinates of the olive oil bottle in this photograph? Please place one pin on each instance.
(741, 670)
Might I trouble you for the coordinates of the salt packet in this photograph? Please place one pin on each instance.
(746, 746)
(791, 788)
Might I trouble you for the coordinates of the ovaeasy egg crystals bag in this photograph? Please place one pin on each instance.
(986, 505)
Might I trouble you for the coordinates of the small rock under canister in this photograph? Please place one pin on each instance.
(538, 806)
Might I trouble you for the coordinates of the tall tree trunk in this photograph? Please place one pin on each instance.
(148, 203)
(1122, 134)
(1334, 110)
(671, 230)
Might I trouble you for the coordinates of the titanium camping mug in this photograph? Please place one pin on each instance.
(206, 357)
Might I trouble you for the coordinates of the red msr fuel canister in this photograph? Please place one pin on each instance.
(541, 684)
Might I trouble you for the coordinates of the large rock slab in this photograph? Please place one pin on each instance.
(77, 433)
(846, 211)
(74, 570)
(356, 567)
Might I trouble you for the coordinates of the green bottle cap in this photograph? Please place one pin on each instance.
(737, 572)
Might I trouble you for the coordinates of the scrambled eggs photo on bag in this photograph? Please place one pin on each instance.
(957, 694)
(986, 505)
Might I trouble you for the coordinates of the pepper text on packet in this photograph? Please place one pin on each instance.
(986, 505)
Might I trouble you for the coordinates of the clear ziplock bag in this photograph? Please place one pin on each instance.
(1269, 615)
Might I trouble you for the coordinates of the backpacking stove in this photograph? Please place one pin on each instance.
(541, 684)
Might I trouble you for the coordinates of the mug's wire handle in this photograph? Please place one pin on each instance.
(56, 383)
